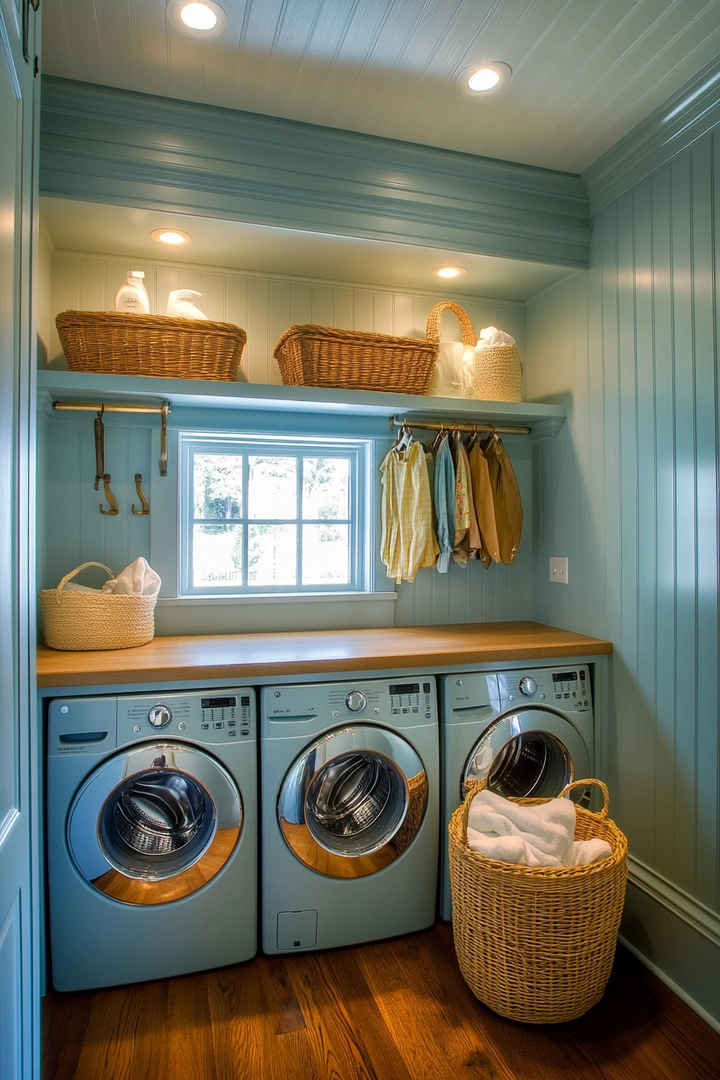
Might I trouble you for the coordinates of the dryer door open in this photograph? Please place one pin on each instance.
(353, 801)
(528, 753)
(155, 824)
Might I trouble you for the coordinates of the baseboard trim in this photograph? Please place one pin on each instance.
(677, 990)
(696, 915)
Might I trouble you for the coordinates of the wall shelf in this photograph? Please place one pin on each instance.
(544, 420)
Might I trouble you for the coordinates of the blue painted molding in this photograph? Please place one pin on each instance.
(686, 117)
(108, 145)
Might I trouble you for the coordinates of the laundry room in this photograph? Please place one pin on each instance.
(235, 814)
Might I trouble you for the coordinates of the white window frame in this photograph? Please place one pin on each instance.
(359, 451)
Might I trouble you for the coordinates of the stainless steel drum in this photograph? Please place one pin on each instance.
(348, 798)
(529, 753)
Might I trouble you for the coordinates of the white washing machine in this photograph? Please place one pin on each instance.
(350, 812)
(530, 732)
(152, 835)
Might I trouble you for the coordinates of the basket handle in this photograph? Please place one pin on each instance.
(77, 571)
(583, 783)
(432, 330)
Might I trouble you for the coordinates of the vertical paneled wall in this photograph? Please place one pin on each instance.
(265, 306)
(629, 492)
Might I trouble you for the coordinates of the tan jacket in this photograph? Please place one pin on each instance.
(506, 498)
(489, 550)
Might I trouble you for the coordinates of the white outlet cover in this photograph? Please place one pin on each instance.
(559, 569)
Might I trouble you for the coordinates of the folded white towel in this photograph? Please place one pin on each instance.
(511, 849)
(529, 835)
(137, 579)
(585, 852)
(549, 828)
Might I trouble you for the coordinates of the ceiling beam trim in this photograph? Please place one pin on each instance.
(108, 145)
(685, 118)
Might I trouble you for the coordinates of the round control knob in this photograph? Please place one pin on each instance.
(159, 716)
(528, 686)
(356, 701)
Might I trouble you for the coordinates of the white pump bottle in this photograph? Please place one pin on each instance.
(132, 296)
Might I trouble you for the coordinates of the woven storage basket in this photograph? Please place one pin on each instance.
(126, 344)
(355, 360)
(497, 374)
(83, 621)
(537, 943)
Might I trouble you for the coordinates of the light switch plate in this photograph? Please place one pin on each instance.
(559, 569)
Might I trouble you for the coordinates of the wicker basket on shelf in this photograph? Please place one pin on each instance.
(118, 343)
(85, 621)
(355, 360)
(537, 943)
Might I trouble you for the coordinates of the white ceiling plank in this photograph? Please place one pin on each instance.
(584, 73)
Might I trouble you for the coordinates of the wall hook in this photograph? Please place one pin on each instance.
(142, 497)
(109, 496)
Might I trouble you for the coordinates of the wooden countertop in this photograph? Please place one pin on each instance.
(245, 656)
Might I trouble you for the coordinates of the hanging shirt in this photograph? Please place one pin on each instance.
(484, 504)
(506, 498)
(408, 540)
(466, 539)
(444, 498)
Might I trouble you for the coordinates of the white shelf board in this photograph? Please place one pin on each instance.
(545, 420)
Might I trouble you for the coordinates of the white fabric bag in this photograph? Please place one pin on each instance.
(453, 372)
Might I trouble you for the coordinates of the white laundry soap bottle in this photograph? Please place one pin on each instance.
(132, 296)
(180, 304)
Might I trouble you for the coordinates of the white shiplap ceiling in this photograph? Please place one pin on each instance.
(584, 74)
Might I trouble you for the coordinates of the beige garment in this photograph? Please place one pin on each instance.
(506, 498)
(489, 550)
(408, 538)
(467, 540)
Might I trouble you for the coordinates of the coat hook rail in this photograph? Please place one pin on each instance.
(163, 410)
(452, 425)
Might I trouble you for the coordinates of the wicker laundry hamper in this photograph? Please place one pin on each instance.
(356, 360)
(537, 943)
(118, 343)
(83, 621)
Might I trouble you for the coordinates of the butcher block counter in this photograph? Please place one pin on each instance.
(315, 652)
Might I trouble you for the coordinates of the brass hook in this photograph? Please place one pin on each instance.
(109, 496)
(142, 496)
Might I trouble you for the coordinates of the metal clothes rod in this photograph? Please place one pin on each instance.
(450, 425)
(99, 407)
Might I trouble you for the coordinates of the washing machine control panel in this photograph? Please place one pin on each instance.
(222, 716)
(400, 704)
(567, 688)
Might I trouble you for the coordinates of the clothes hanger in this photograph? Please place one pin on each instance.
(404, 439)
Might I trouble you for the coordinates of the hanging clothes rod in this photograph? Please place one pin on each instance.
(99, 407)
(451, 425)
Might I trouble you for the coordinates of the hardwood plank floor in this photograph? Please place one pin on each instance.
(391, 1010)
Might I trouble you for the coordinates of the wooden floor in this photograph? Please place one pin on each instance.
(393, 1010)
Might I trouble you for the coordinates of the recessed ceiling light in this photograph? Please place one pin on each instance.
(174, 237)
(489, 77)
(197, 18)
(449, 271)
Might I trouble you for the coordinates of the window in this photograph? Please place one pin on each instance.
(273, 514)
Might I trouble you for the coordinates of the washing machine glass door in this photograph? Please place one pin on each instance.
(353, 801)
(155, 824)
(528, 753)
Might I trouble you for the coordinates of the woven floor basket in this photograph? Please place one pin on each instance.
(497, 374)
(116, 343)
(84, 621)
(537, 944)
(356, 360)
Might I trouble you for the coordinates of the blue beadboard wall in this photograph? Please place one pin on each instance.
(629, 492)
(73, 531)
